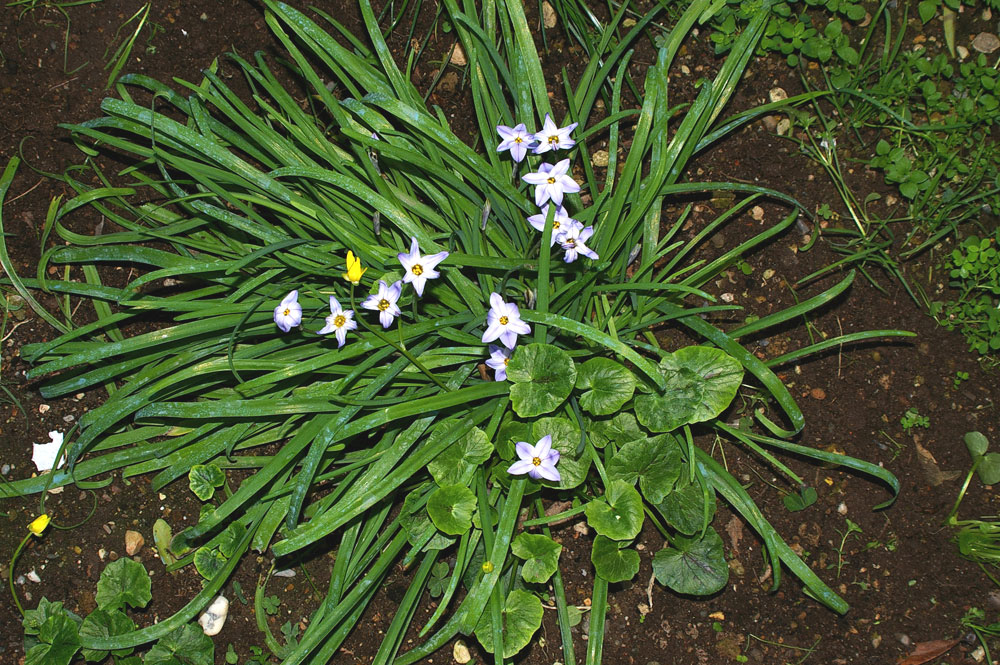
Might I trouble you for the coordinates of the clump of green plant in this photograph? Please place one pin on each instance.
(974, 268)
(337, 279)
(978, 540)
(912, 419)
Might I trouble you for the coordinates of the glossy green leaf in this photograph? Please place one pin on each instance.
(612, 561)
(542, 377)
(203, 479)
(621, 429)
(522, 616)
(187, 645)
(618, 514)
(540, 554)
(208, 561)
(694, 566)
(451, 508)
(34, 618)
(102, 624)
(676, 407)
(654, 461)
(606, 386)
(684, 507)
(718, 373)
(461, 458)
(976, 442)
(123, 582)
(565, 434)
(59, 641)
(989, 469)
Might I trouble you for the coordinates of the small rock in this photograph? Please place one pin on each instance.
(757, 213)
(784, 126)
(993, 598)
(581, 528)
(5, 469)
(214, 618)
(770, 122)
(817, 393)
(548, 15)
(33, 576)
(643, 609)
(449, 82)
(963, 52)
(685, 70)
(458, 56)
(978, 654)
(727, 297)
(904, 639)
(600, 158)
(778, 95)
(460, 653)
(288, 572)
(842, 508)
(133, 542)
(876, 640)
(43, 408)
(986, 42)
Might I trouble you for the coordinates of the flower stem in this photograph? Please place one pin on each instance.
(545, 252)
(10, 575)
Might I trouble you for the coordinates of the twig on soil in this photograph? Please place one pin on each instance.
(25, 193)
(15, 327)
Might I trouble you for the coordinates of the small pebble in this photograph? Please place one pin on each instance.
(33, 576)
(460, 653)
(904, 639)
(214, 618)
(288, 572)
(842, 508)
(43, 408)
(600, 158)
(777, 95)
(986, 42)
(817, 393)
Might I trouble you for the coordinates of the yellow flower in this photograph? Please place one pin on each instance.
(354, 269)
(39, 524)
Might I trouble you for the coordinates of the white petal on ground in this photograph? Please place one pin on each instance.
(214, 618)
(44, 454)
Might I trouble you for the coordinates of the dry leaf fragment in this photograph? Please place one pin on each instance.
(133, 542)
(548, 15)
(924, 652)
(458, 56)
(735, 530)
(932, 472)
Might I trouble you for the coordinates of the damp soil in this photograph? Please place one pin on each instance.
(901, 573)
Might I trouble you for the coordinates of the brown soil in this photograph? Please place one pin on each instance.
(902, 575)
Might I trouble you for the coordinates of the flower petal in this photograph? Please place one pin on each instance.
(548, 472)
(520, 467)
(543, 446)
(525, 450)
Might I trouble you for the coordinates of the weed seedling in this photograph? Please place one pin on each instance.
(959, 377)
(912, 419)
(851, 528)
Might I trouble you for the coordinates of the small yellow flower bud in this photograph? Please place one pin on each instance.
(354, 269)
(487, 567)
(38, 525)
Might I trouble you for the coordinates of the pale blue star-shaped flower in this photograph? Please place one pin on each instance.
(288, 314)
(551, 182)
(419, 269)
(339, 322)
(499, 357)
(559, 221)
(504, 322)
(574, 242)
(384, 302)
(553, 137)
(538, 461)
(516, 139)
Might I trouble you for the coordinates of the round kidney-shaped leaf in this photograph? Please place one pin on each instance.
(540, 554)
(451, 509)
(989, 469)
(654, 461)
(675, 407)
(565, 434)
(123, 582)
(607, 385)
(718, 374)
(101, 625)
(208, 561)
(204, 478)
(461, 458)
(618, 515)
(613, 563)
(542, 376)
(977, 443)
(684, 508)
(621, 429)
(522, 615)
(695, 566)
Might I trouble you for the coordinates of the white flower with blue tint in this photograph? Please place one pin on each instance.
(419, 269)
(574, 243)
(516, 139)
(504, 322)
(551, 182)
(339, 322)
(384, 302)
(289, 313)
(499, 357)
(538, 461)
(559, 222)
(553, 137)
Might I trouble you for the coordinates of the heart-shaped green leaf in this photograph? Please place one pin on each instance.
(208, 561)
(618, 514)
(540, 554)
(607, 385)
(676, 407)
(102, 625)
(522, 615)
(58, 639)
(451, 508)
(694, 566)
(684, 508)
(989, 469)
(612, 562)
(977, 443)
(621, 429)
(123, 582)
(187, 645)
(456, 464)
(542, 376)
(800, 501)
(719, 376)
(204, 478)
(565, 434)
(654, 461)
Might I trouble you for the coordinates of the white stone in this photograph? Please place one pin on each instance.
(460, 653)
(44, 454)
(214, 618)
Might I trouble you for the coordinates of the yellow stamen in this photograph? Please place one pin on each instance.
(537, 461)
(554, 139)
(504, 320)
(417, 270)
(518, 139)
(383, 305)
(287, 311)
(551, 180)
(339, 320)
